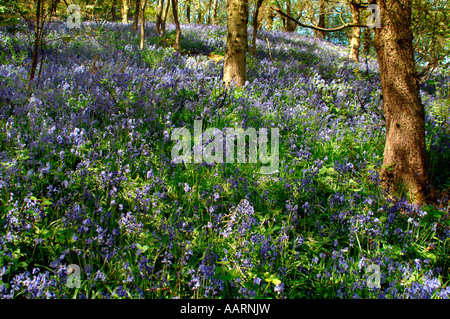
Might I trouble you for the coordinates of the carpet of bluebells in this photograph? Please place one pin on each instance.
(87, 178)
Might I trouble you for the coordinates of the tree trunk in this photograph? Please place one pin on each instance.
(208, 19)
(136, 15)
(289, 26)
(199, 12)
(255, 25)
(159, 14)
(143, 5)
(37, 37)
(236, 46)
(164, 18)
(188, 12)
(215, 7)
(125, 12)
(113, 11)
(404, 166)
(270, 18)
(356, 33)
(177, 24)
(321, 23)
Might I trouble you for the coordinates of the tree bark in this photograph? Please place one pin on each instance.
(125, 12)
(236, 46)
(143, 5)
(199, 12)
(404, 165)
(159, 14)
(164, 18)
(356, 33)
(37, 37)
(208, 19)
(255, 25)
(177, 24)
(136, 15)
(215, 7)
(321, 23)
(289, 25)
(270, 18)
(188, 11)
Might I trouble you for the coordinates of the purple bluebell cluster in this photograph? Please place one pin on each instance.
(86, 175)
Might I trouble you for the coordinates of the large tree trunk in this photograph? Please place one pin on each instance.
(136, 15)
(356, 33)
(236, 46)
(404, 166)
(255, 25)
(177, 24)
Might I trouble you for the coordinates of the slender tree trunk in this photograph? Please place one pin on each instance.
(236, 46)
(270, 18)
(125, 12)
(159, 14)
(188, 11)
(177, 24)
(143, 5)
(356, 33)
(289, 26)
(136, 15)
(208, 19)
(199, 12)
(404, 164)
(255, 25)
(113, 11)
(215, 7)
(164, 18)
(37, 36)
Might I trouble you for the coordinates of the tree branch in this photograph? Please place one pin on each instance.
(346, 25)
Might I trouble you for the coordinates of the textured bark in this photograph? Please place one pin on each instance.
(255, 24)
(289, 25)
(356, 33)
(188, 12)
(208, 19)
(164, 18)
(37, 37)
(159, 14)
(236, 46)
(143, 5)
(404, 165)
(215, 7)
(136, 15)
(321, 23)
(270, 18)
(125, 11)
(177, 24)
